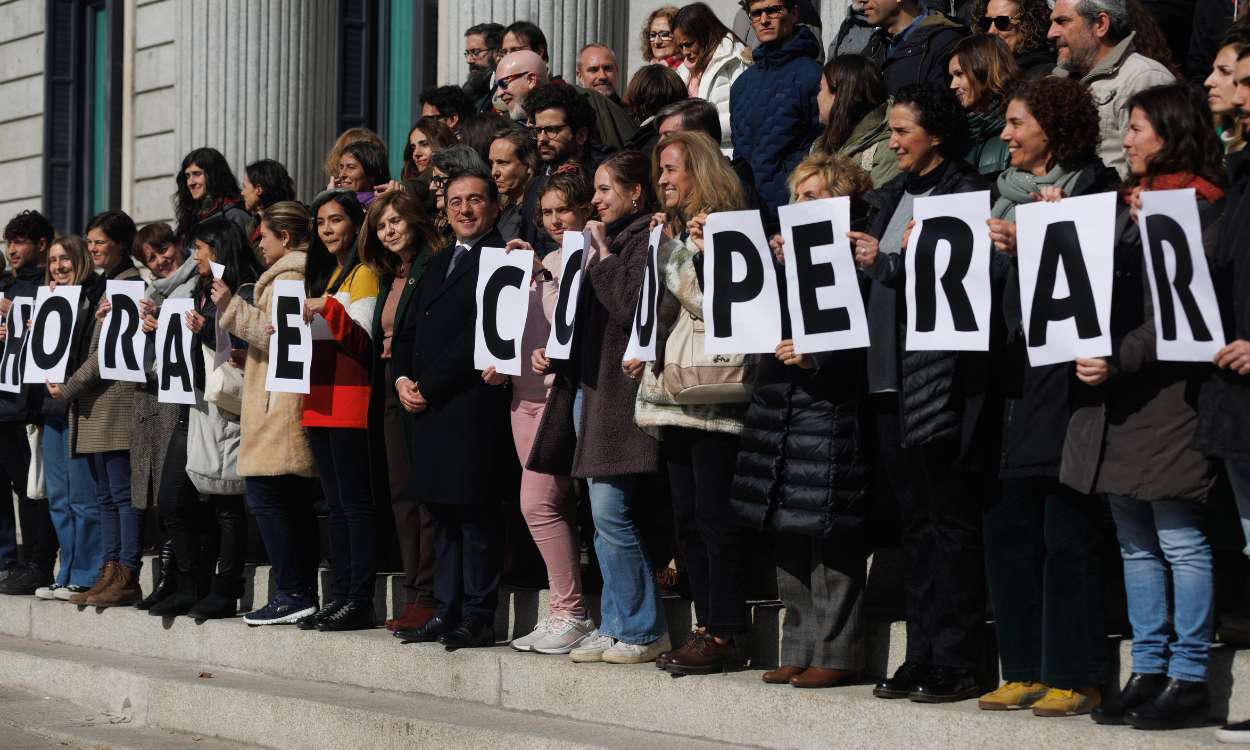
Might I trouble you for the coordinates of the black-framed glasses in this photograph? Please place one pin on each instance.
(505, 82)
(772, 11)
(661, 35)
(442, 117)
(471, 54)
(550, 131)
(438, 182)
(1002, 23)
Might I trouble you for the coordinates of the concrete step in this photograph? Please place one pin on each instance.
(732, 708)
(288, 714)
(35, 721)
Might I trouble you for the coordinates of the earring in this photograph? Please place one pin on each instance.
(635, 202)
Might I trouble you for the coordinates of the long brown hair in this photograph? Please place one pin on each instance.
(369, 247)
(716, 185)
(440, 137)
(80, 258)
(858, 89)
(699, 22)
(990, 68)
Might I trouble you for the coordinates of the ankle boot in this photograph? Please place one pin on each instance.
(122, 591)
(107, 572)
(1183, 703)
(167, 581)
(180, 602)
(1140, 689)
(222, 600)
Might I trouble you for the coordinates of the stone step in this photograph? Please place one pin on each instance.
(731, 708)
(287, 714)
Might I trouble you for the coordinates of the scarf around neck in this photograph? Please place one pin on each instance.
(1016, 186)
(1179, 181)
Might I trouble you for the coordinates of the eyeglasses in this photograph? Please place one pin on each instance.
(503, 83)
(550, 131)
(771, 11)
(662, 35)
(510, 50)
(471, 54)
(458, 203)
(1002, 23)
(438, 182)
(442, 117)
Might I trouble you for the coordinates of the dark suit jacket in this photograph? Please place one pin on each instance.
(461, 440)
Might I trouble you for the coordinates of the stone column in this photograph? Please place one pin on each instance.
(568, 24)
(256, 80)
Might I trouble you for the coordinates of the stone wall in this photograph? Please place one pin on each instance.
(21, 106)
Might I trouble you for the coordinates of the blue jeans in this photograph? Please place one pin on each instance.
(72, 505)
(1239, 479)
(283, 508)
(1156, 535)
(121, 524)
(629, 608)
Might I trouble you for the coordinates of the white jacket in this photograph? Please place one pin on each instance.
(730, 58)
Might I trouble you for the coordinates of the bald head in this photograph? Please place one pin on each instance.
(517, 74)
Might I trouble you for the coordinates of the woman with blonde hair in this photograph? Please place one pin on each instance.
(699, 443)
(982, 70)
(274, 456)
(67, 478)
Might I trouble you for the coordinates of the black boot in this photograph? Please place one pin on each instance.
(222, 600)
(946, 685)
(1140, 689)
(180, 602)
(1181, 704)
(167, 583)
(1234, 626)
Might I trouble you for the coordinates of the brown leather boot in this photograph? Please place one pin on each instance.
(704, 656)
(122, 592)
(107, 572)
(413, 617)
(781, 675)
(819, 677)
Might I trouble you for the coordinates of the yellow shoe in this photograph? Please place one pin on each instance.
(1012, 695)
(1058, 702)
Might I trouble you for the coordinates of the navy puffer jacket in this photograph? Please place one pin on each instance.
(773, 114)
(802, 465)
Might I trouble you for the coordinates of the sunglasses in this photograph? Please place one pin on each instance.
(771, 11)
(1002, 23)
(503, 83)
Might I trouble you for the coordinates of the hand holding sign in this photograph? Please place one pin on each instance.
(503, 280)
(822, 287)
(175, 349)
(48, 349)
(19, 312)
(948, 274)
(572, 261)
(290, 344)
(119, 352)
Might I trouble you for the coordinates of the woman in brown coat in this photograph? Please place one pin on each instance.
(1132, 439)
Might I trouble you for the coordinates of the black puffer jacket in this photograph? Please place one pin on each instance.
(801, 460)
(942, 395)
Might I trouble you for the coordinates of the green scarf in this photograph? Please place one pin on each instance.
(1016, 187)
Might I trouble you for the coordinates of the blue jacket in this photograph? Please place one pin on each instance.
(773, 112)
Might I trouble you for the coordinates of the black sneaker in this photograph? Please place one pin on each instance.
(24, 580)
(284, 609)
(349, 616)
(906, 679)
(311, 621)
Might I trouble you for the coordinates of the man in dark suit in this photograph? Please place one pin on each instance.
(460, 435)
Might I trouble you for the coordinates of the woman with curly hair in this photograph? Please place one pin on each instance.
(1133, 437)
(1022, 25)
(427, 136)
(657, 42)
(982, 69)
(1044, 574)
(932, 424)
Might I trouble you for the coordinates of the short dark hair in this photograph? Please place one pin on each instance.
(448, 100)
(533, 36)
(157, 233)
(29, 225)
(492, 33)
(653, 88)
(372, 158)
(273, 180)
(939, 113)
(230, 248)
(746, 4)
(116, 225)
(492, 190)
(696, 114)
(560, 95)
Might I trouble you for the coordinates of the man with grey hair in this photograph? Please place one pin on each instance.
(1095, 43)
(598, 70)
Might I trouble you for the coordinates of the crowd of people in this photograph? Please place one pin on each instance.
(1000, 479)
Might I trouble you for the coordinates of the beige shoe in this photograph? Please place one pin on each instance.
(1012, 695)
(102, 582)
(1060, 702)
(124, 590)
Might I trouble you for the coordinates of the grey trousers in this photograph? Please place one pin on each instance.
(821, 584)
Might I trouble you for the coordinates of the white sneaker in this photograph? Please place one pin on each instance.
(629, 653)
(63, 593)
(592, 648)
(525, 642)
(563, 635)
(47, 592)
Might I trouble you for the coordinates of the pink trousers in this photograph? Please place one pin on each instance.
(550, 511)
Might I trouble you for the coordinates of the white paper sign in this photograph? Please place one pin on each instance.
(572, 261)
(641, 344)
(1066, 261)
(175, 347)
(948, 274)
(1187, 315)
(822, 287)
(503, 284)
(741, 305)
(15, 340)
(119, 352)
(290, 346)
(51, 335)
(218, 269)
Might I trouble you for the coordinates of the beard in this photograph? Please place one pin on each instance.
(477, 84)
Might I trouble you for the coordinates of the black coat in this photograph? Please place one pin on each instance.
(24, 405)
(1224, 403)
(802, 464)
(942, 395)
(921, 56)
(463, 440)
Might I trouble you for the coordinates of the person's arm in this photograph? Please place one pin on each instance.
(347, 330)
(87, 376)
(679, 275)
(247, 322)
(551, 286)
(453, 370)
(617, 281)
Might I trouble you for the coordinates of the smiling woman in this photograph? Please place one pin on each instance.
(206, 188)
